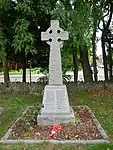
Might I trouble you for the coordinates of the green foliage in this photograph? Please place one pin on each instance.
(23, 40)
(5, 4)
(46, 6)
(76, 21)
(44, 79)
(97, 10)
(67, 62)
(25, 8)
(17, 104)
(30, 117)
(3, 43)
(77, 118)
(6, 32)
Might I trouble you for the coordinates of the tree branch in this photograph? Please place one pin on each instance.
(109, 20)
(104, 25)
(107, 12)
(99, 26)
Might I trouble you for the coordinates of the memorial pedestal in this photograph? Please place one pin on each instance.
(56, 108)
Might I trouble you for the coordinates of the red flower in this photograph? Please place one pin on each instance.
(55, 130)
(53, 134)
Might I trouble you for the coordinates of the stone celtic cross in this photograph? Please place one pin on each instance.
(56, 108)
(55, 36)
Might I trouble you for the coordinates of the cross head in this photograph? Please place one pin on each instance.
(54, 34)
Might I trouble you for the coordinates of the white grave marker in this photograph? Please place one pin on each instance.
(55, 100)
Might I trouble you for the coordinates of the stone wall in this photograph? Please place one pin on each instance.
(35, 87)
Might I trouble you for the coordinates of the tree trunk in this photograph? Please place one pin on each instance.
(75, 65)
(85, 64)
(24, 74)
(94, 41)
(104, 58)
(94, 55)
(110, 62)
(24, 69)
(6, 71)
(104, 32)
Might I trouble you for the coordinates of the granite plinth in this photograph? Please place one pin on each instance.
(56, 108)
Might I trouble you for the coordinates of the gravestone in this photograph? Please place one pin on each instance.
(56, 108)
(1, 111)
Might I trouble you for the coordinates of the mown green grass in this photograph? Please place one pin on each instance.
(46, 146)
(14, 104)
(15, 72)
(100, 104)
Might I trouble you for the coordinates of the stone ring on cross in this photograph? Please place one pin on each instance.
(54, 35)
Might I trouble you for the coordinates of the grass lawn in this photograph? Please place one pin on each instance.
(101, 104)
(15, 72)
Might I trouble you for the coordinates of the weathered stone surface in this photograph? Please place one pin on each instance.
(1, 111)
(56, 106)
(55, 36)
(55, 100)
